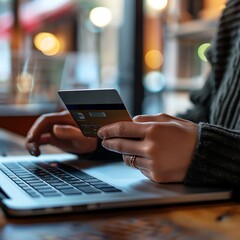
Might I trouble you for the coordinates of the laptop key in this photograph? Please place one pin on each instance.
(51, 194)
(46, 191)
(102, 185)
(60, 183)
(111, 189)
(55, 179)
(89, 189)
(63, 187)
(80, 184)
(34, 195)
(70, 191)
(93, 180)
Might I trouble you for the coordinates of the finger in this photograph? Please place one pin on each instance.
(146, 173)
(124, 146)
(66, 132)
(123, 130)
(140, 163)
(45, 123)
(145, 118)
(67, 138)
(74, 136)
(34, 147)
(161, 117)
(130, 160)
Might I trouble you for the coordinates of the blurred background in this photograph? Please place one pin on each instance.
(152, 51)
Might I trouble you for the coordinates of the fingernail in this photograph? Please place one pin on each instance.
(103, 144)
(32, 151)
(100, 135)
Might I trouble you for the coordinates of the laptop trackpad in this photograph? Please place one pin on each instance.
(116, 170)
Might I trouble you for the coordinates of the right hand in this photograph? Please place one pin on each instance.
(59, 130)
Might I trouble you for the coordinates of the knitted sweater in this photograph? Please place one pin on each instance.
(216, 109)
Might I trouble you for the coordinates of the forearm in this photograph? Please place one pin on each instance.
(217, 158)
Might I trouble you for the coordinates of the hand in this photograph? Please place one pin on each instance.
(59, 130)
(164, 145)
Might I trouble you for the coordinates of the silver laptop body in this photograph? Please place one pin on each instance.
(123, 186)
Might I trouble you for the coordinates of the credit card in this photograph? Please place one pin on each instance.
(93, 108)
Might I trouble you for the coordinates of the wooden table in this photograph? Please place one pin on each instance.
(218, 221)
(212, 220)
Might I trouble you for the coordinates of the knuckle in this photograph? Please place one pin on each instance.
(153, 130)
(63, 113)
(160, 178)
(44, 117)
(119, 146)
(150, 149)
(39, 120)
(163, 116)
(120, 129)
(126, 160)
(151, 166)
(138, 118)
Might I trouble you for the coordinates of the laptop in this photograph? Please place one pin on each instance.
(60, 183)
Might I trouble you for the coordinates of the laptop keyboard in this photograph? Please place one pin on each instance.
(51, 179)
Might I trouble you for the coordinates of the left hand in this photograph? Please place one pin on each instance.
(58, 129)
(164, 145)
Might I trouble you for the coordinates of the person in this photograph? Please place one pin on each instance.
(200, 147)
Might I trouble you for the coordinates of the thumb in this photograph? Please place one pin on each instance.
(74, 137)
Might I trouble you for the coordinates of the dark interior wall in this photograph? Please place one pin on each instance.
(131, 56)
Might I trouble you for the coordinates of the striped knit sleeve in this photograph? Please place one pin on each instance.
(201, 102)
(216, 161)
(201, 99)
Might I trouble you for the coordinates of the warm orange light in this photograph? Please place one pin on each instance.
(222, 7)
(154, 59)
(47, 43)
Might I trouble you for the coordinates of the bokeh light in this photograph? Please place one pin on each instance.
(157, 4)
(202, 51)
(100, 16)
(223, 6)
(154, 81)
(25, 82)
(47, 43)
(154, 59)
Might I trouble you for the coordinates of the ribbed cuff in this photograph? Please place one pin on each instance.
(216, 160)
